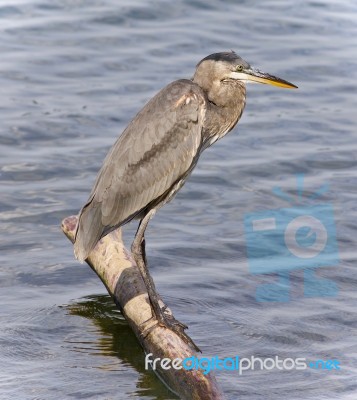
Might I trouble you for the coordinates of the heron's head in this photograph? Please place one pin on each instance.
(228, 68)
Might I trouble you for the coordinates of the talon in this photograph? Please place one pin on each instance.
(178, 327)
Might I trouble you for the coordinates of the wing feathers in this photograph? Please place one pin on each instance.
(157, 148)
(89, 221)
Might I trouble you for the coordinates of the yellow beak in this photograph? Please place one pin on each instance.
(254, 75)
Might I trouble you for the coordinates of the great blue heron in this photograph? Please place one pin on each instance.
(158, 150)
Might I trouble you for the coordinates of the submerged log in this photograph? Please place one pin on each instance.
(114, 265)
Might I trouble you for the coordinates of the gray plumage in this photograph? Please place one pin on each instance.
(155, 154)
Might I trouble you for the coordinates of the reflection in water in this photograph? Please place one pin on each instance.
(114, 339)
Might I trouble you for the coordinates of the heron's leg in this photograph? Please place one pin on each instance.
(138, 250)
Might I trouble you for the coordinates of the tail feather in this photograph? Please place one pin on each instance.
(89, 230)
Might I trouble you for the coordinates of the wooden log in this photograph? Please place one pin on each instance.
(114, 265)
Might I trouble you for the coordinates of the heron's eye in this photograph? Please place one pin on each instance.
(239, 68)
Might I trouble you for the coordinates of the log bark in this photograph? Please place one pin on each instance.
(114, 265)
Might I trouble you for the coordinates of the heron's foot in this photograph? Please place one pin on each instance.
(168, 321)
(167, 315)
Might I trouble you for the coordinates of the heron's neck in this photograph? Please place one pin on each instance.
(222, 115)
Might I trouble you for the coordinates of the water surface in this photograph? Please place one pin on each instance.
(72, 75)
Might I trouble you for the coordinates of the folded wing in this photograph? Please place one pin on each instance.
(158, 147)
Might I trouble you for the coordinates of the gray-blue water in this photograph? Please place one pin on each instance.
(72, 75)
